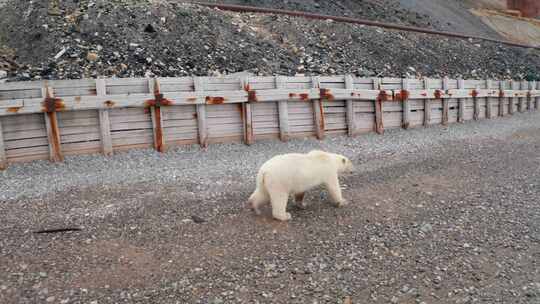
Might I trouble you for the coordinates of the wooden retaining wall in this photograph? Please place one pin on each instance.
(48, 120)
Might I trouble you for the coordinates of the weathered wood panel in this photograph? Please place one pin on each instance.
(278, 106)
(25, 137)
(86, 136)
(131, 126)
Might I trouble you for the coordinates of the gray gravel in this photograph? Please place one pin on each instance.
(437, 216)
(232, 165)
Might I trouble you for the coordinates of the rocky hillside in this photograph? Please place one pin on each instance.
(71, 39)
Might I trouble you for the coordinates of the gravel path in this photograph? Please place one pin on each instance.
(438, 215)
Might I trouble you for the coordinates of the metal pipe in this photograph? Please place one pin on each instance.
(243, 9)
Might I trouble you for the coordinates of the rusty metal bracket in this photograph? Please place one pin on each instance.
(401, 95)
(159, 99)
(252, 96)
(50, 103)
(438, 94)
(326, 94)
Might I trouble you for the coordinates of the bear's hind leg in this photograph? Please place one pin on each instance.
(257, 199)
(279, 206)
(299, 200)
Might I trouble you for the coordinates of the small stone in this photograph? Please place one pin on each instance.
(50, 299)
(3, 74)
(466, 245)
(197, 219)
(43, 274)
(426, 228)
(217, 301)
(91, 56)
(394, 299)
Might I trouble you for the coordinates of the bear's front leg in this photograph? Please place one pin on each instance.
(334, 190)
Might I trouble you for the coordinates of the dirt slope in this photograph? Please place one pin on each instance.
(165, 38)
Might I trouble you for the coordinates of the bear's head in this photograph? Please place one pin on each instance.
(344, 164)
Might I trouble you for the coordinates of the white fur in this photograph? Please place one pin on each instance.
(294, 174)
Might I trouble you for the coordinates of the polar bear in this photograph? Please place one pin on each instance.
(295, 174)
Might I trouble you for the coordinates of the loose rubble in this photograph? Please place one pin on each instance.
(141, 38)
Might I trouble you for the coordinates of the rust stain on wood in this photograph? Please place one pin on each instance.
(158, 131)
(402, 95)
(214, 100)
(13, 109)
(438, 94)
(55, 138)
(304, 96)
(252, 96)
(326, 94)
(109, 103)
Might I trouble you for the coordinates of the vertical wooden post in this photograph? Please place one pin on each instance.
(476, 113)
(318, 110)
(522, 86)
(200, 85)
(104, 121)
(283, 112)
(379, 123)
(427, 105)
(537, 99)
(461, 102)
(53, 132)
(3, 157)
(445, 102)
(489, 86)
(351, 124)
(511, 100)
(157, 119)
(502, 98)
(529, 98)
(247, 115)
(406, 121)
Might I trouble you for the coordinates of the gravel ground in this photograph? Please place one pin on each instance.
(437, 215)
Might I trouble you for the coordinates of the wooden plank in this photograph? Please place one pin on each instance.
(537, 99)
(157, 119)
(427, 105)
(476, 106)
(502, 99)
(489, 85)
(445, 102)
(53, 132)
(247, 115)
(3, 157)
(461, 102)
(379, 124)
(104, 121)
(318, 110)
(351, 125)
(522, 105)
(283, 111)
(199, 85)
(528, 87)
(406, 118)
(511, 108)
